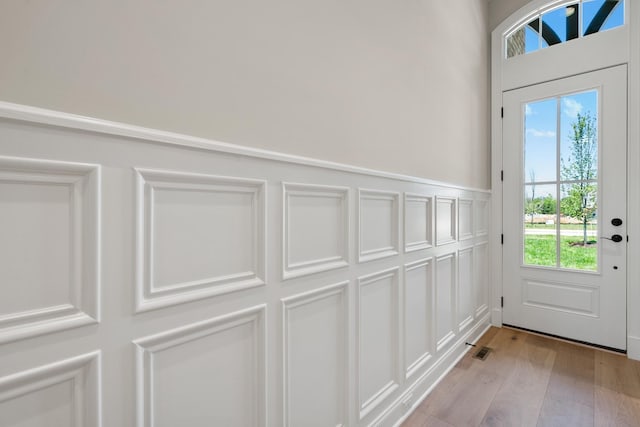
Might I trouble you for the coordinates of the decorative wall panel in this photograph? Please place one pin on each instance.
(465, 294)
(481, 278)
(378, 225)
(445, 300)
(49, 246)
(378, 334)
(315, 357)
(418, 315)
(445, 220)
(418, 226)
(481, 217)
(465, 219)
(316, 229)
(64, 393)
(208, 373)
(198, 236)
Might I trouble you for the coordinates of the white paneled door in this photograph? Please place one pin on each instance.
(564, 248)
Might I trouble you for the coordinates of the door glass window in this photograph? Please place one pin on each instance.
(560, 221)
(602, 15)
(564, 23)
(560, 25)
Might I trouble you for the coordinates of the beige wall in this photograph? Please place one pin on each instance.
(499, 10)
(400, 86)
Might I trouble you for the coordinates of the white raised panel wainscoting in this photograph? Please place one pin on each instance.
(151, 279)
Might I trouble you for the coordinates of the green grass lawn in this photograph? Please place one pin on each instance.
(541, 250)
(562, 226)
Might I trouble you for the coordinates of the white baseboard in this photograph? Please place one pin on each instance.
(404, 405)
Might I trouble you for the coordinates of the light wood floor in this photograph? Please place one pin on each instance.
(529, 380)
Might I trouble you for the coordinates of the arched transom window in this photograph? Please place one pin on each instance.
(562, 23)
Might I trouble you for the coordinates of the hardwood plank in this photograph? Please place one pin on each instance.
(435, 422)
(617, 391)
(467, 361)
(532, 380)
(562, 411)
(468, 401)
(457, 375)
(442, 395)
(519, 400)
(617, 373)
(488, 336)
(573, 374)
(615, 409)
(419, 419)
(475, 382)
(569, 400)
(505, 348)
(416, 419)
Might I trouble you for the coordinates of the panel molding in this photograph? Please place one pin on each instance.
(593, 291)
(365, 255)
(427, 242)
(290, 269)
(481, 280)
(467, 321)
(83, 181)
(450, 335)
(147, 347)
(82, 371)
(411, 368)
(148, 296)
(300, 300)
(481, 225)
(366, 404)
(465, 219)
(449, 234)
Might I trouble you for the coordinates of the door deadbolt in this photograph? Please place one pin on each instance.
(617, 222)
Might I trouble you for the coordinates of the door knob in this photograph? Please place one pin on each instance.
(616, 238)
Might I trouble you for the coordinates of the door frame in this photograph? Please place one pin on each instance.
(614, 47)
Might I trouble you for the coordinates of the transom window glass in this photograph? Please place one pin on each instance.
(560, 181)
(564, 23)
